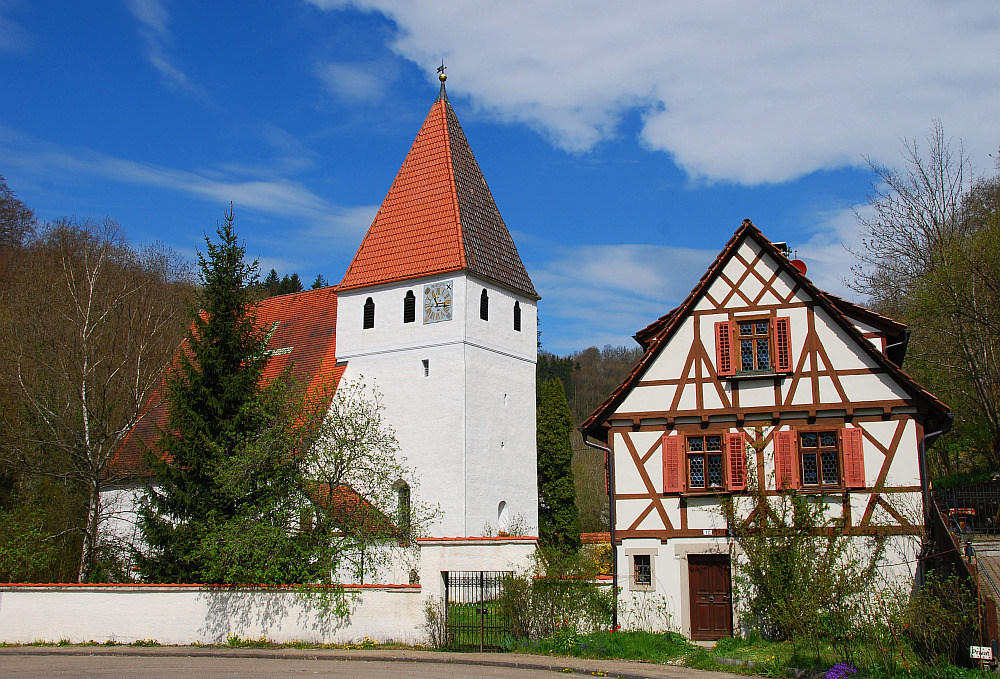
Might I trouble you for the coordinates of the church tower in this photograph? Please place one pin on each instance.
(437, 311)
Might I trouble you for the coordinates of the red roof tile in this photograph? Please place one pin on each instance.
(304, 336)
(439, 216)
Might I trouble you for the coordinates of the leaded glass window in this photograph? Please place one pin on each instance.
(704, 462)
(755, 346)
(820, 459)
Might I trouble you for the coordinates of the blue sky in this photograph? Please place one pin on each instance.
(623, 142)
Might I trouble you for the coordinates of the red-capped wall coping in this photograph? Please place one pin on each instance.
(481, 538)
(595, 538)
(172, 585)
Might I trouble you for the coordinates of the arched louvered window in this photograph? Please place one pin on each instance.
(517, 316)
(484, 306)
(369, 321)
(409, 307)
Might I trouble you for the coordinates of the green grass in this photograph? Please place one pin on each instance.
(764, 658)
(645, 646)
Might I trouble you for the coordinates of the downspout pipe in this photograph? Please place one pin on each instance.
(610, 457)
(925, 484)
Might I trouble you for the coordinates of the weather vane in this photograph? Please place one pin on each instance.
(441, 74)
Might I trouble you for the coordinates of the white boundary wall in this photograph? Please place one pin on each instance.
(189, 614)
(186, 614)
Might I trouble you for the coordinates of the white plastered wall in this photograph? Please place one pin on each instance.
(465, 420)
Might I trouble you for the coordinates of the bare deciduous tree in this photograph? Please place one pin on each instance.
(96, 322)
(931, 258)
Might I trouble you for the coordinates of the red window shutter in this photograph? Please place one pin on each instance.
(851, 442)
(786, 469)
(783, 344)
(724, 364)
(673, 456)
(736, 449)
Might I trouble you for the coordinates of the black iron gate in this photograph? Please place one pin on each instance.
(474, 616)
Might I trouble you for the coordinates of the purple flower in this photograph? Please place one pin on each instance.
(841, 671)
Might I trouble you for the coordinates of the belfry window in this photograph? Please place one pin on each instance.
(484, 306)
(409, 307)
(517, 316)
(369, 319)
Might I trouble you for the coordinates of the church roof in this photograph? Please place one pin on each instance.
(302, 328)
(439, 216)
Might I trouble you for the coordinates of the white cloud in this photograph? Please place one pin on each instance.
(826, 252)
(155, 32)
(276, 196)
(741, 92)
(152, 14)
(12, 36)
(603, 294)
(356, 81)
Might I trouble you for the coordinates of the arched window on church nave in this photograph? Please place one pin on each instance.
(503, 518)
(484, 306)
(402, 489)
(517, 316)
(409, 307)
(369, 320)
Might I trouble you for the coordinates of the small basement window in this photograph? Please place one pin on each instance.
(641, 575)
(426, 364)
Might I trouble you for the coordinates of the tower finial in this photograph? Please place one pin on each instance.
(442, 95)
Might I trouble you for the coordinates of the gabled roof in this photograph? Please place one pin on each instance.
(303, 328)
(351, 511)
(439, 216)
(657, 334)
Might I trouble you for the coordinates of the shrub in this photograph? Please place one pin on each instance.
(558, 592)
(941, 619)
(435, 622)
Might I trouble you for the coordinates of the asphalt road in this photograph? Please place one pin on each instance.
(250, 668)
(176, 662)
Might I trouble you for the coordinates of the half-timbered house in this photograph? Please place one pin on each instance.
(757, 381)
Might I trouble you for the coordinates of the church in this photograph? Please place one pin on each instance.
(437, 312)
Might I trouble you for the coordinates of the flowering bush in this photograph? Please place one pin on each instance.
(841, 671)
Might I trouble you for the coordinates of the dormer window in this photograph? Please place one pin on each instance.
(409, 307)
(369, 317)
(484, 306)
(517, 316)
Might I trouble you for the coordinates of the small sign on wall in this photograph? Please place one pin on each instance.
(981, 652)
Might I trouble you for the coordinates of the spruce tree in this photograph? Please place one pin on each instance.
(558, 517)
(227, 484)
(272, 283)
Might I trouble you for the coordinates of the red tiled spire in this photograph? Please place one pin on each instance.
(439, 216)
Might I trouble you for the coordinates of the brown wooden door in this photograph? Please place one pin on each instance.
(710, 596)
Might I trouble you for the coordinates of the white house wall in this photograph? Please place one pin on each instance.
(834, 384)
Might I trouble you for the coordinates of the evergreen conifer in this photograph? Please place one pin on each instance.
(228, 487)
(558, 517)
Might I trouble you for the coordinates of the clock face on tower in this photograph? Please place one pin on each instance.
(437, 302)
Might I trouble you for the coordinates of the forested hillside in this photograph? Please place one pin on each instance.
(589, 377)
